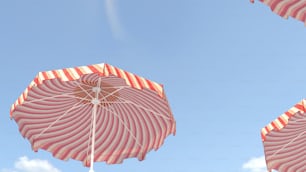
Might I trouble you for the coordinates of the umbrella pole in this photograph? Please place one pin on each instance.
(93, 138)
(95, 101)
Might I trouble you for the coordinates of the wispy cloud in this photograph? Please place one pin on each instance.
(24, 164)
(7, 170)
(113, 18)
(256, 164)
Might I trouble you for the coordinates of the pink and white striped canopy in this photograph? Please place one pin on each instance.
(288, 8)
(284, 140)
(132, 114)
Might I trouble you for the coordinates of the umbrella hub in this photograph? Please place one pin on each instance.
(96, 92)
(95, 101)
(96, 89)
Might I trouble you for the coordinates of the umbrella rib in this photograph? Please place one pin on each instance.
(54, 122)
(299, 120)
(139, 106)
(70, 95)
(130, 102)
(113, 111)
(80, 83)
(286, 145)
(142, 107)
(85, 91)
(110, 93)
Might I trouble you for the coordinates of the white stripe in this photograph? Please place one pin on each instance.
(40, 78)
(278, 124)
(73, 73)
(291, 8)
(99, 67)
(159, 88)
(144, 82)
(125, 77)
(134, 80)
(113, 70)
(280, 5)
(85, 69)
(62, 75)
(285, 118)
(301, 12)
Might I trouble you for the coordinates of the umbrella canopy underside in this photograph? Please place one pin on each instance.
(288, 8)
(285, 141)
(57, 116)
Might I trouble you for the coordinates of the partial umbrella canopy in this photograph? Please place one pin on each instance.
(288, 8)
(284, 140)
(94, 113)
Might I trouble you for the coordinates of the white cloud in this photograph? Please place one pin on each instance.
(112, 15)
(35, 165)
(257, 164)
(7, 170)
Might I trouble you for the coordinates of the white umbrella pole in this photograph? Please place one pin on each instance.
(95, 101)
(94, 113)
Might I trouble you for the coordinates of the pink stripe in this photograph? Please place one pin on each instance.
(285, 8)
(273, 4)
(297, 10)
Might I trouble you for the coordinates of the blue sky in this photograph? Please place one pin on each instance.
(228, 68)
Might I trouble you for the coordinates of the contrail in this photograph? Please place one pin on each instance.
(113, 19)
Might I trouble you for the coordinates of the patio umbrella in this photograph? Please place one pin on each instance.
(93, 113)
(284, 140)
(286, 8)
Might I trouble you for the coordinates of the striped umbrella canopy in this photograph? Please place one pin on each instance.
(94, 113)
(284, 140)
(288, 8)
